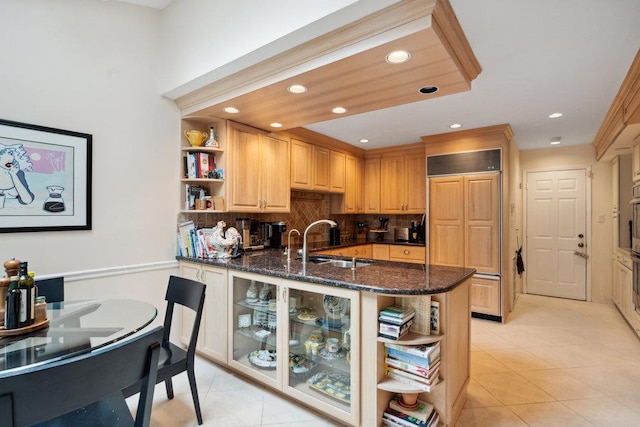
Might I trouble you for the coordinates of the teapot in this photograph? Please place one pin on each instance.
(195, 137)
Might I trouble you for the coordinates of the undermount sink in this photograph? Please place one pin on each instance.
(342, 263)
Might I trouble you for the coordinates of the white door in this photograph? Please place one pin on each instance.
(556, 229)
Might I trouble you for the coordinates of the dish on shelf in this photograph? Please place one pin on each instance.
(337, 386)
(299, 364)
(305, 314)
(330, 323)
(326, 354)
(335, 307)
(265, 359)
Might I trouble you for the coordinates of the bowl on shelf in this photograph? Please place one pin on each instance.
(195, 137)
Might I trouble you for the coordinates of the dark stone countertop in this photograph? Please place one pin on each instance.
(381, 276)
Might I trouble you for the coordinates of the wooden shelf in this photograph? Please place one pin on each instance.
(201, 180)
(202, 149)
(413, 338)
(395, 386)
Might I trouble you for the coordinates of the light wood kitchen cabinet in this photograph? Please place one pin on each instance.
(272, 345)
(412, 254)
(316, 168)
(321, 172)
(351, 201)
(260, 173)
(359, 251)
(403, 183)
(337, 171)
(380, 251)
(212, 338)
(301, 165)
(485, 295)
(372, 185)
(464, 221)
(446, 220)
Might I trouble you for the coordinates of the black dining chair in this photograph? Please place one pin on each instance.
(175, 359)
(84, 390)
(52, 289)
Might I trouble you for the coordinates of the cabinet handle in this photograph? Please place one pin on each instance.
(406, 252)
(355, 252)
(284, 294)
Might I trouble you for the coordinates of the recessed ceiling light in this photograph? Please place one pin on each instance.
(455, 126)
(276, 125)
(297, 89)
(398, 57)
(364, 141)
(339, 110)
(555, 140)
(555, 115)
(231, 110)
(428, 89)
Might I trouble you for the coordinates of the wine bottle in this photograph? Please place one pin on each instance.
(12, 306)
(28, 298)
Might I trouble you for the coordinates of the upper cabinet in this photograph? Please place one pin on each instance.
(351, 201)
(371, 191)
(404, 179)
(621, 126)
(259, 179)
(316, 168)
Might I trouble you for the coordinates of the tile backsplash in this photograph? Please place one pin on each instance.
(307, 207)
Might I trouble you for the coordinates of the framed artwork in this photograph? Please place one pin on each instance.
(45, 178)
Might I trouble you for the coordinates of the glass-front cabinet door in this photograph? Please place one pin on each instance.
(322, 330)
(255, 335)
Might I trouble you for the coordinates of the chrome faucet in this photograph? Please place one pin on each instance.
(289, 243)
(305, 252)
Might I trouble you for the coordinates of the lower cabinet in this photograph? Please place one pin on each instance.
(412, 254)
(450, 393)
(485, 295)
(212, 340)
(298, 338)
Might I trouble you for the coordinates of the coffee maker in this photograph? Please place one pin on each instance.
(248, 229)
(277, 228)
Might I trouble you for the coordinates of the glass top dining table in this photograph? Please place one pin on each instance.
(75, 327)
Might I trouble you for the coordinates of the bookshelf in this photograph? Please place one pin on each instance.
(215, 186)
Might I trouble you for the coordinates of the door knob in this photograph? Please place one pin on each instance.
(581, 245)
(581, 236)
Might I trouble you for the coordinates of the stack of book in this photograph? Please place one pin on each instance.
(395, 321)
(417, 366)
(420, 414)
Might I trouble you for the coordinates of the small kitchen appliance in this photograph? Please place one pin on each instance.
(334, 236)
(277, 228)
(401, 234)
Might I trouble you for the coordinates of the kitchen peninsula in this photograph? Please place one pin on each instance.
(267, 318)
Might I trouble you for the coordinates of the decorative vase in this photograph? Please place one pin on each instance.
(252, 292)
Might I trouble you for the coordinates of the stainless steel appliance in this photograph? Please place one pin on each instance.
(635, 245)
(277, 228)
(401, 234)
(265, 231)
(249, 229)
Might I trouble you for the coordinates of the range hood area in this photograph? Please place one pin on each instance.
(345, 66)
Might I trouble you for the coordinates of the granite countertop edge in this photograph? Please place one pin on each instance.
(383, 277)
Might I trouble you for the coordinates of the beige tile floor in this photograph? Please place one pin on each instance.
(555, 363)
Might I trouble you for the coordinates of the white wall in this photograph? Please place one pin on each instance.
(91, 66)
(601, 233)
(200, 36)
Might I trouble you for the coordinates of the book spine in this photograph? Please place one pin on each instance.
(427, 352)
(395, 320)
(412, 383)
(391, 329)
(404, 418)
(397, 421)
(396, 311)
(409, 358)
(412, 377)
(414, 369)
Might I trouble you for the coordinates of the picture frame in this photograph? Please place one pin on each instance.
(45, 178)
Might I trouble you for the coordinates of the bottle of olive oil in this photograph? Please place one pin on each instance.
(12, 307)
(28, 298)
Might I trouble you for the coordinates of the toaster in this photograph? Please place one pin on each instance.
(401, 234)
